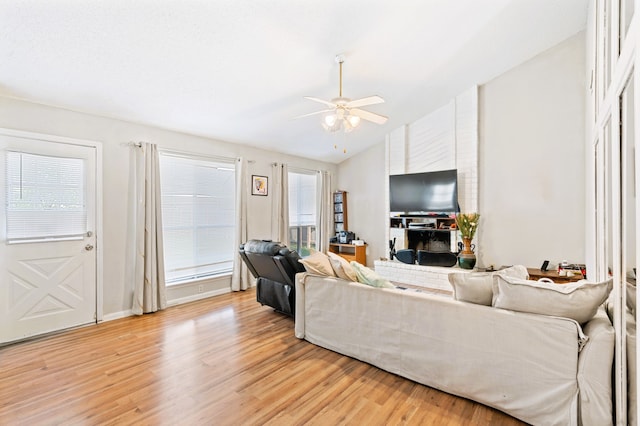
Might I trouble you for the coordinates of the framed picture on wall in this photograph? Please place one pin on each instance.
(259, 185)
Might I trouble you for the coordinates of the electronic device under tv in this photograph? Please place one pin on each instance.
(429, 192)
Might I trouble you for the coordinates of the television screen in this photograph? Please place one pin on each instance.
(433, 192)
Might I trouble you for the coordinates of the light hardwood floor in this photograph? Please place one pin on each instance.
(219, 361)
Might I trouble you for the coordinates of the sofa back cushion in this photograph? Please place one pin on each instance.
(477, 287)
(578, 301)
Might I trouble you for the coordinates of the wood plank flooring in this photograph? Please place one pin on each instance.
(220, 361)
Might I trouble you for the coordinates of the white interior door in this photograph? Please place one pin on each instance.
(47, 236)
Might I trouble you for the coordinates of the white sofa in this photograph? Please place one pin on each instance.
(541, 369)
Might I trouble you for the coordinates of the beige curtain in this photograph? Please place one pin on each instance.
(324, 211)
(280, 213)
(149, 288)
(241, 278)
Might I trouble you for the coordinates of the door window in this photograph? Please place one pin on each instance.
(45, 197)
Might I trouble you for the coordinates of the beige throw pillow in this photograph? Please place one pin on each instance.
(631, 297)
(477, 287)
(579, 300)
(342, 268)
(318, 263)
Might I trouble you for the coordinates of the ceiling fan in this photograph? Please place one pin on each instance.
(345, 113)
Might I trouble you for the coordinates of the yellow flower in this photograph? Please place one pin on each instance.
(467, 223)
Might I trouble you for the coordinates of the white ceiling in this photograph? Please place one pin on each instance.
(237, 70)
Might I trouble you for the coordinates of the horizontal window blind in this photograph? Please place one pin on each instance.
(45, 196)
(302, 212)
(198, 216)
(302, 199)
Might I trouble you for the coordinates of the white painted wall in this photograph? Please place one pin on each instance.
(114, 134)
(363, 177)
(531, 164)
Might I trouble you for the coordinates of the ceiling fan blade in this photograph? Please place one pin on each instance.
(313, 113)
(322, 101)
(371, 100)
(376, 118)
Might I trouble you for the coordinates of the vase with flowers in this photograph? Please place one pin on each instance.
(467, 224)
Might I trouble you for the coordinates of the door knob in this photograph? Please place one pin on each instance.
(88, 247)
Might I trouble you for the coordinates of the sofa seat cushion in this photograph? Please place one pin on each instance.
(578, 301)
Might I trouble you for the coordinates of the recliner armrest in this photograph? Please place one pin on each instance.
(293, 259)
(285, 269)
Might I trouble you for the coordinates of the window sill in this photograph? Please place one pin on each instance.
(191, 281)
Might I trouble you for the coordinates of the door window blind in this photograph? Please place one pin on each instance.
(45, 196)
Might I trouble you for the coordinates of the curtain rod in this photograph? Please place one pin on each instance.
(301, 169)
(186, 154)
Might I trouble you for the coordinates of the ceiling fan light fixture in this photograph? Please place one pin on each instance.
(353, 120)
(331, 123)
(339, 120)
(344, 113)
(330, 119)
(348, 128)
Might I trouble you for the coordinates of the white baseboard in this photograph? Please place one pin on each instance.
(117, 315)
(174, 302)
(199, 296)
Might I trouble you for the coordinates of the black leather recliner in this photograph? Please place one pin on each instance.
(275, 268)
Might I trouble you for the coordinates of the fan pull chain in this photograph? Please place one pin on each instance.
(341, 78)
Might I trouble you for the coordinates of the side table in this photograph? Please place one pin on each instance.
(535, 274)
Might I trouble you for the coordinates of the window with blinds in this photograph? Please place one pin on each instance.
(198, 216)
(302, 212)
(45, 197)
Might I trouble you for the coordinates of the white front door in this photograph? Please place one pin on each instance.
(47, 236)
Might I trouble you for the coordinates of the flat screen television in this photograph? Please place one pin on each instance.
(429, 192)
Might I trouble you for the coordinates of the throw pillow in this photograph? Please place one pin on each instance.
(318, 263)
(472, 287)
(631, 297)
(342, 268)
(370, 277)
(477, 287)
(579, 300)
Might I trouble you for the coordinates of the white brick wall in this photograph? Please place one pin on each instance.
(430, 144)
(418, 275)
(447, 138)
(467, 149)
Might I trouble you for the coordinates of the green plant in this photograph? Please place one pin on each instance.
(467, 223)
